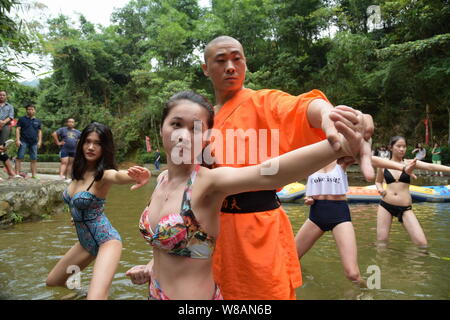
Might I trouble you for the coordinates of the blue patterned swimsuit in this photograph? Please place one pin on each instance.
(93, 227)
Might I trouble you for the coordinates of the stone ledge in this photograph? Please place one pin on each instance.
(26, 199)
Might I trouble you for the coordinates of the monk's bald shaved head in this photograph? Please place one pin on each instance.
(217, 40)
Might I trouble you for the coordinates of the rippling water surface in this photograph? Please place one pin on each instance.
(28, 251)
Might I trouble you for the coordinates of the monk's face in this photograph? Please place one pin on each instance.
(226, 65)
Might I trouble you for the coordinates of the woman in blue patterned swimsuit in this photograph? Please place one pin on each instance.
(94, 172)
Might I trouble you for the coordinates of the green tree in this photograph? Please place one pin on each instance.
(16, 42)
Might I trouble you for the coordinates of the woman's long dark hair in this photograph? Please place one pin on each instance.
(106, 161)
(394, 141)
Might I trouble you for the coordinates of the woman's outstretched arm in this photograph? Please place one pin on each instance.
(137, 174)
(276, 172)
(432, 167)
(378, 162)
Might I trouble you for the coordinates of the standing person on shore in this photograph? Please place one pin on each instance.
(28, 138)
(94, 173)
(157, 159)
(241, 264)
(420, 153)
(384, 152)
(6, 116)
(436, 157)
(66, 138)
(396, 199)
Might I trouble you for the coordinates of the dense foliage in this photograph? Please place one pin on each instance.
(121, 75)
(15, 41)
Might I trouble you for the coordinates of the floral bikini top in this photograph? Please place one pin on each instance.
(179, 234)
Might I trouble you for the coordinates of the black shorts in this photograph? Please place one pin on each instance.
(327, 214)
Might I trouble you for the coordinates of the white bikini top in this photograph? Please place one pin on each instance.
(334, 182)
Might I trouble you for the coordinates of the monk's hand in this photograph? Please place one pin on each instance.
(140, 175)
(139, 274)
(409, 168)
(357, 129)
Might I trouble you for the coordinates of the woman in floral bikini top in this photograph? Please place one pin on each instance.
(183, 237)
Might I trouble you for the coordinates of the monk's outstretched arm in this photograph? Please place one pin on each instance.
(291, 166)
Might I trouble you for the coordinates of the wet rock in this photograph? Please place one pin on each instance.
(29, 199)
(4, 207)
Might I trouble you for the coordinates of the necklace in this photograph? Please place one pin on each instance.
(168, 192)
(167, 195)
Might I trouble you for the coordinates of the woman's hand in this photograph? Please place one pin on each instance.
(409, 168)
(382, 192)
(354, 126)
(139, 274)
(357, 128)
(140, 175)
(309, 201)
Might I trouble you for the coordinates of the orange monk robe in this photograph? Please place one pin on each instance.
(255, 255)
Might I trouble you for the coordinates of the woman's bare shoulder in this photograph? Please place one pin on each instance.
(162, 175)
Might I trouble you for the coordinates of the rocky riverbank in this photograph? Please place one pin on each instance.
(30, 200)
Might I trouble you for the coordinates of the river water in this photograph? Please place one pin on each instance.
(28, 251)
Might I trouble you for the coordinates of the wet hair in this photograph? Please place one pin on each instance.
(393, 141)
(106, 161)
(190, 96)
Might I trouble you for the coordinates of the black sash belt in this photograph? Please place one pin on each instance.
(248, 202)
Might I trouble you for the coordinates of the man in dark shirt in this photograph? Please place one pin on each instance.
(67, 138)
(6, 115)
(28, 138)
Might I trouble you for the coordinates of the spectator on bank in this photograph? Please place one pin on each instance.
(436, 157)
(421, 153)
(6, 116)
(384, 152)
(28, 139)
(66, 138)
(157, 159)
